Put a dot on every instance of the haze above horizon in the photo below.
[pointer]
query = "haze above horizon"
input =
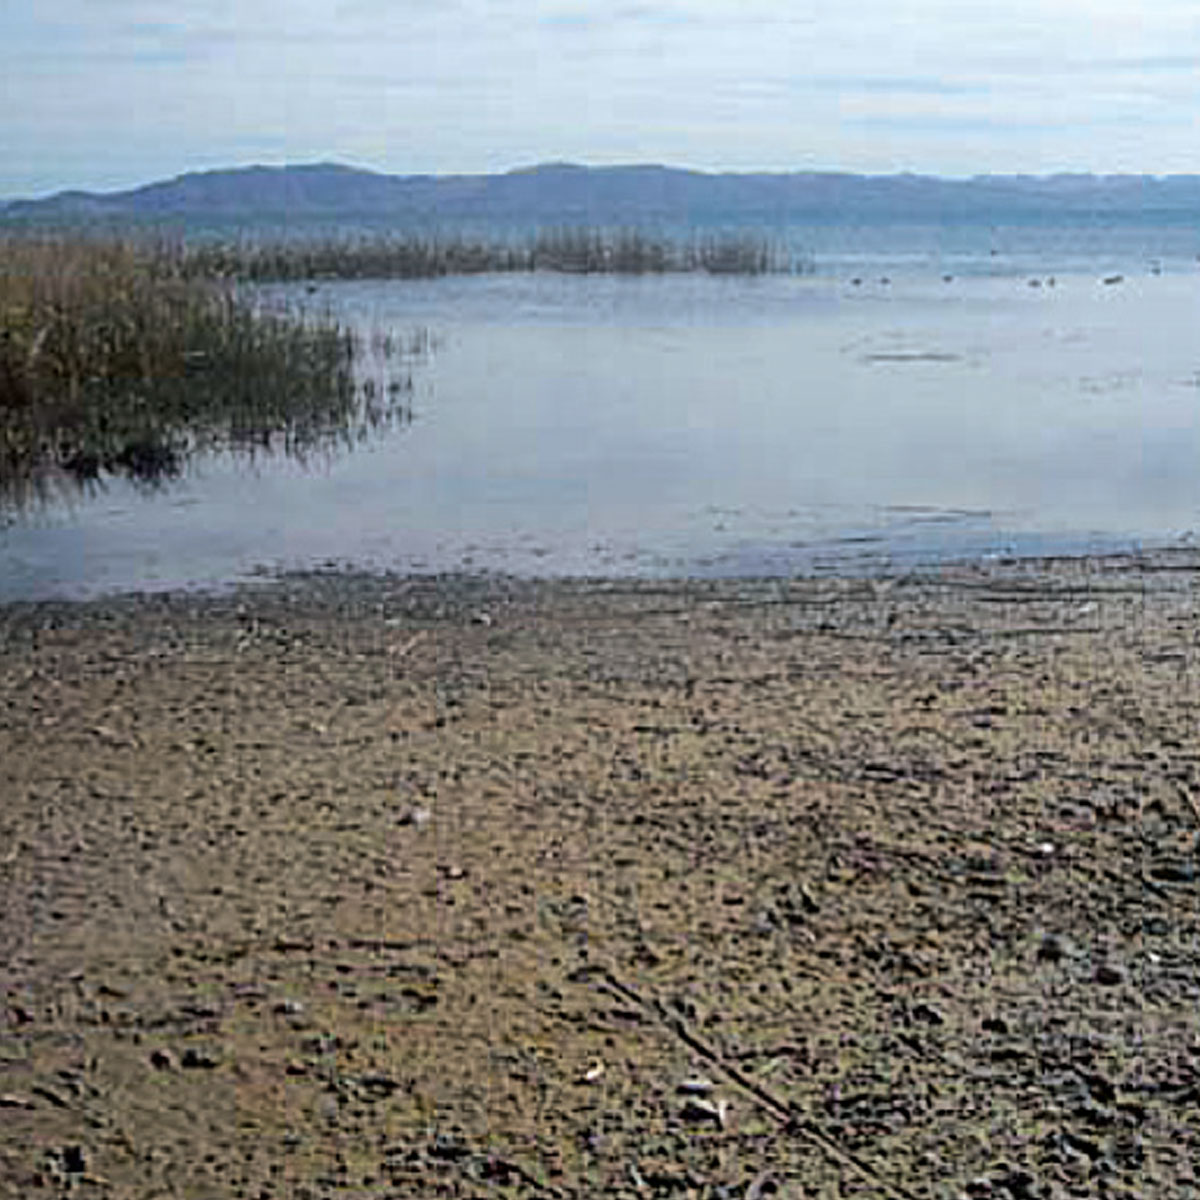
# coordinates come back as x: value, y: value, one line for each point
x: 115, y: 95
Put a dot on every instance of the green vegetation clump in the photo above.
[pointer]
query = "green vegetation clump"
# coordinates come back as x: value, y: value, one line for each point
x: 117, y: 357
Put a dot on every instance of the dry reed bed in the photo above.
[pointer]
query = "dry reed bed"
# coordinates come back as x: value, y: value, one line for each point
x: 117, y: 355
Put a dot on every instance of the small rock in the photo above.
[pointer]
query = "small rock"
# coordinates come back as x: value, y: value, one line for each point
x: 74, y: 1160
x: 706, y: 1110
x: 1020, y: 1185
x: 928, y: 1014
x: 417, y: 817
x: 163, y: 1060
x: 696, y: 1087
x: 447, y: 1147
x: 764, y: 923
x: 1054, y: 948
x: 12, y: 1100
x: 1109, y: 975
x: 199, y: 1058
x: 289, y: 1008
x: 19, y: 1015
x: 593, y: 1073
x: 378, y: 1083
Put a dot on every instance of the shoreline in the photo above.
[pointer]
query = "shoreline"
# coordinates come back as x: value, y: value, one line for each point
x: 407, y: 885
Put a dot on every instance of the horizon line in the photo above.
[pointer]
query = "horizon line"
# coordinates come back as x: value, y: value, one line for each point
x: 568, y: 164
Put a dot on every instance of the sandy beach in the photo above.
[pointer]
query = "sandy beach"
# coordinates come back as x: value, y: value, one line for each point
x: 368, y: 886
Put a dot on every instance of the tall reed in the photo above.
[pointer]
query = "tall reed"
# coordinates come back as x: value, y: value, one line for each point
x: 569, y: 249
x: 116, y: 356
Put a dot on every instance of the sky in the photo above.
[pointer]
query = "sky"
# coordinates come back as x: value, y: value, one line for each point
x: 107, y: 94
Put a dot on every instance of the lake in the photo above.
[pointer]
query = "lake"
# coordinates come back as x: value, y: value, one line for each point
x: 702, y: 425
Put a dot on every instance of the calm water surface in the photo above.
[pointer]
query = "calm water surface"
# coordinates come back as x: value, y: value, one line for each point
x: 697, y: 425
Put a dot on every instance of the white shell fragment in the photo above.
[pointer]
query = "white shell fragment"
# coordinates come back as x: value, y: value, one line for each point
x: 715, y: 1111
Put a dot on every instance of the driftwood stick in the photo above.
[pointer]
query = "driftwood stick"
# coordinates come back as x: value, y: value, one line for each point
x: 793, y: 1122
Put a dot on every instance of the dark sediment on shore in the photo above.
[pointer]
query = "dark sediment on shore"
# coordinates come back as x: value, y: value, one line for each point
x: 366, y: 886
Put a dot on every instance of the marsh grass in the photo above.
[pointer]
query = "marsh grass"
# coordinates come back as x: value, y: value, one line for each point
x: 117, y: 357
x: 124, y: 355
x: 569, y: 249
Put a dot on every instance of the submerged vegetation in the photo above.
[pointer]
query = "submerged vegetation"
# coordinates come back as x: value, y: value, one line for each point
x: 116, y: 357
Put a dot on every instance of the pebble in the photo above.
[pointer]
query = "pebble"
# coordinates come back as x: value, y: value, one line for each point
x: 593, y: 1073
x: 705, y: 1110
x: 163, y: 1060
x: 198, y: 1058
x: 1054, y: 948
x: 928, y: 1014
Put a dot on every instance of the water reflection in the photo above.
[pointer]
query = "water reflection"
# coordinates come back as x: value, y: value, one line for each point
x: 363, y: 389
x: 698, y: 426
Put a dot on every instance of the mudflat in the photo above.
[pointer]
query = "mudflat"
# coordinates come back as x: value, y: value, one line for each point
x: 382, y: 886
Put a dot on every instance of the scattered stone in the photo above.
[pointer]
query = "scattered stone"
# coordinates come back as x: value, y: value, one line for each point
x: 696, y: 1087
x: 200, y: 1058
x: 74, y: 1160
x: 1054, y: 948
x: 446, y: 1146
x: 712, y: 1111
x: 1109, y: 975
x: 378, y: 1084
x: 163, y: 1060
x: 928, y: 1014
x: 1019, y: 1184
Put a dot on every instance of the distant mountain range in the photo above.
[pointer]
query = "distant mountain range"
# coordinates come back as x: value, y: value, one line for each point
x: 563, y: 193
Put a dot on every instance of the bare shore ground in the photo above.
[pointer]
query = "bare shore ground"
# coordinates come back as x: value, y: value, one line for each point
x: 412, y: 887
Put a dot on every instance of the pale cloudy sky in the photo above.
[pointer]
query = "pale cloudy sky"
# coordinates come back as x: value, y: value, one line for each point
x: 111, y: 93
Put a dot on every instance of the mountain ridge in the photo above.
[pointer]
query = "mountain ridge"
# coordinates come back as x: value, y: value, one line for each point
x: 624, y: 194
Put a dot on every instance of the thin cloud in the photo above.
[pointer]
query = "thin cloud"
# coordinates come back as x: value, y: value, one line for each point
x: 116, y: 92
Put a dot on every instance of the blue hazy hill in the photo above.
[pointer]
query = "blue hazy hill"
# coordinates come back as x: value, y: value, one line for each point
x: 621, y: 195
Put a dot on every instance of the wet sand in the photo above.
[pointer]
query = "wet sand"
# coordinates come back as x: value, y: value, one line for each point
x: 383, y: 886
